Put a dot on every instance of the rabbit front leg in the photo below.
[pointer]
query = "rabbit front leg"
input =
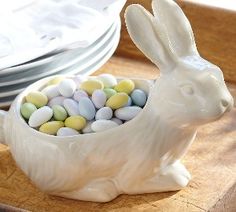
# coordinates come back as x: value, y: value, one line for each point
x: 173, y: 177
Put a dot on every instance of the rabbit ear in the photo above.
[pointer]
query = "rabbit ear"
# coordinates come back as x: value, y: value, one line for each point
x: 178, y: 31
x: 140, y: 26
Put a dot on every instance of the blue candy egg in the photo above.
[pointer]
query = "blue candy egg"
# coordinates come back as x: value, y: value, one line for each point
x: 86, y: 108
x: 139, y: 97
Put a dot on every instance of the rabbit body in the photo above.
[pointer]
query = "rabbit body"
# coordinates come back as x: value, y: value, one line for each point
x: 142, y: 155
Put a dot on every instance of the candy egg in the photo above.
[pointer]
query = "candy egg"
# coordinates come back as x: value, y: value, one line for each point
x: 109, y: 92
x: 118, y: 121
x: 86, y: 108
x: 127, y: 113
x: 139, y: 97
x: 40, y: 116
x: 71, y: 107
x: 56, y: 80
x: 37, y: 98
x: 51, y: 91
x: 27, y: 109
x: 108, y: 80
x: 99, y: 98
x: 126, y: 86
x: 56, y: 101
x: 88, y: 128
x: 67, y: 87
x: 75, y: 122
x: 101, y: 125
x: 117, y: 101
x: 51, y: 127
x: 59, y: 113
x: 66, y: 131
x: 91, y: 85
x: 79, y: 94
x: 104, y: 113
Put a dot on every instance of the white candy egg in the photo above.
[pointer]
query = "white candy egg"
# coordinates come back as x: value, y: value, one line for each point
x: 88, y: 128
x: 105, y: 113
x: 71, y: 107
x: 101, y: 125
x: 127, y: 113
x: 40, y: 116
x: 108, y: 80
x: 51, y: 91
x: 79, y: 94
x: 118, y: 121
x: 67, y: 87
x: 56, y: 101
x: 66, y: 131
x: 99, y: 98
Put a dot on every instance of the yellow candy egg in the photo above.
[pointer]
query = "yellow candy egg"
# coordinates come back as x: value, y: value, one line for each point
x: 91, y: 85
x: 75, y: 122
x: 37, y: 98
x: 55, y: 80
x: 117, y: 101
x: 51, y: 127
x: 126, y: 86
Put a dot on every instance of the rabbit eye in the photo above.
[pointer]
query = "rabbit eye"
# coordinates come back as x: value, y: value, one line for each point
x: 187, y: 89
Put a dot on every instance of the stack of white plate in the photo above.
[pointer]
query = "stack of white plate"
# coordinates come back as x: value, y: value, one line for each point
x: 79, y: 60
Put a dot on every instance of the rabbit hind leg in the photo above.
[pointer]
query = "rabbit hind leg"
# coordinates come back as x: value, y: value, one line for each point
x: 100, y: 190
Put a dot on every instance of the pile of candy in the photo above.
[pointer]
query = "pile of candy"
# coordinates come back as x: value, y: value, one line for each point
x: 68, y: 107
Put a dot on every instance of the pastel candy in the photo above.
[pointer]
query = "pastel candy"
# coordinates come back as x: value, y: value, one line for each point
x: 79, y: 94
x: 99, y: 98
x: 129, y: 103
x: 51, y: 91
x: 101, y: 125
x: 37, y: 98
x: 109, y: 92
x: 75, y: 122
x: 108, y: 80
x: 126, y: 86
x: 86, y: 108
x: 51, y: 127
x: 27, y: 109
x: 56, y: 101
x: 118, y: 121
x: 88, y: 128
x: 139, y: 97
x: 79, y: 79
x: 67, y: 87
x: 117, y: 101
x: 91, y: 85
x: 40, y: 116
x: 105, y: 113
x: 66, y: 131
x: 59, y: 113
x: 56, y: 80
x: 71, y: 107
x: 127, y: 113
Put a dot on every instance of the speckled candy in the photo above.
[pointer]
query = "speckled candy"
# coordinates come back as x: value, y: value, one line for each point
x: 99, y: 98
x: 37, y: 98
x: 101, y: 125
x: 117, y: 101
x: 51, y: 127
x: 67, y: 87
x: 51, y: 91
x: 75, y: 122
x: 40, y: 116
x: 79, y: 94
x: 127, y: 113
x: 104, y: 113
x: 126, y: 86
x: 59, y: 113
x: 86, y: 108
x: 108, y: 80
x: 91, y: 85
x: 71, y: 107
x: 56, y: 101
x: 27, y: 109
x: 66, y: 131
x: 139, y: 97
x: 109, y: 92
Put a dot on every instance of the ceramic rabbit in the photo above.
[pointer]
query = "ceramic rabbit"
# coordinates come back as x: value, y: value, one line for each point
x: 143, y: 155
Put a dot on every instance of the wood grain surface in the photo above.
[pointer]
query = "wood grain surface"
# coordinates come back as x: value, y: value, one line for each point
x: 215, y: 33
x: 211, y: 161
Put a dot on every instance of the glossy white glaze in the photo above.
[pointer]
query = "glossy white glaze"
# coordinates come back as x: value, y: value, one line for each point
x: 143, y: 155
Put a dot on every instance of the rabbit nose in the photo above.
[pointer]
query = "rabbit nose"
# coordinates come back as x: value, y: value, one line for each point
x: 224, y: 103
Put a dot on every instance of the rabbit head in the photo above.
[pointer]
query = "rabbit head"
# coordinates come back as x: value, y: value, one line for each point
x: 190, y: 88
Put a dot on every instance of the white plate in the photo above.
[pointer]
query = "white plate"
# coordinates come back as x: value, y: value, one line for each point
x: 53, y: 57
x: 26, y: 76
x: 100, y: 60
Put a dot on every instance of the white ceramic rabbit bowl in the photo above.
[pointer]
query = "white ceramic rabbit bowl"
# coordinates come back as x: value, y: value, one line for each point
x: 143, y: 155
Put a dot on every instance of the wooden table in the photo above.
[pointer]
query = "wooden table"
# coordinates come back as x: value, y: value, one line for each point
x: 211, y: 159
